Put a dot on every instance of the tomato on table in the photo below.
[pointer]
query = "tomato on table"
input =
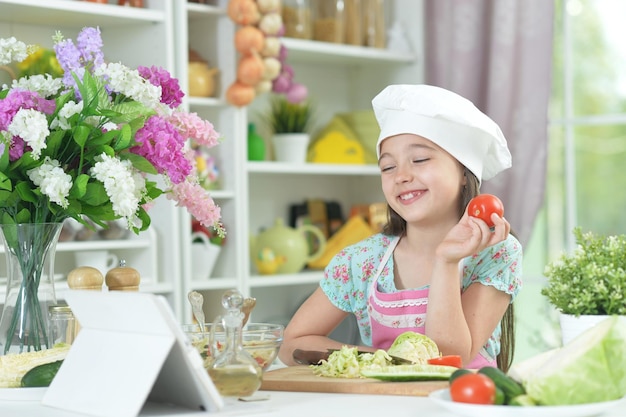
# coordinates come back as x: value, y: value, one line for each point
x: 473, y: 389
x: 447, y: 360
x: 483, y: 206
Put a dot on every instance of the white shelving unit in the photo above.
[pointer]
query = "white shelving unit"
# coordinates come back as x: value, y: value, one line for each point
x: 135, y: 37
x: 340, y: 78
x: 252, y: 195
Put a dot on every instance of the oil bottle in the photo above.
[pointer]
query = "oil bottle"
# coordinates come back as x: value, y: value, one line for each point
x: 234, y: 372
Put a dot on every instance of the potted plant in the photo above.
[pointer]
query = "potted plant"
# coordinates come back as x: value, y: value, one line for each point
x: 588, y: 284
x: 290, y: 124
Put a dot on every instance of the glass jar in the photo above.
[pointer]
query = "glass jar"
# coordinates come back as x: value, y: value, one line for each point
x: 63, y: 325
x: 297, y: 19
x: 328, y: 19
x: 131, y: 3
x: 374, y: 26
x: 352, y: 22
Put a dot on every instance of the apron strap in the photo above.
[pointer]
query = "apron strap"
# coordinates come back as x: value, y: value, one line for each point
x: 386, y: 257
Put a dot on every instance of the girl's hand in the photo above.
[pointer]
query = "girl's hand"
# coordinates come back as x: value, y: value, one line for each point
x: 470, y: 236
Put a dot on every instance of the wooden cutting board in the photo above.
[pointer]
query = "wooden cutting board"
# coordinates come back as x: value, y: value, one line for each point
x: 302, y: 379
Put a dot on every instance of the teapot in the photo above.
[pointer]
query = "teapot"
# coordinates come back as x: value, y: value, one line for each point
x: 288, y: 244
x: 201, y: 79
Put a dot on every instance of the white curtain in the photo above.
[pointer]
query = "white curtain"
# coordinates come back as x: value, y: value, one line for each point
x: 498, y: 54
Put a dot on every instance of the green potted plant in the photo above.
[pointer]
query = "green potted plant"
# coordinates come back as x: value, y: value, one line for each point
x: 588, y: 284
x: 290, y: 123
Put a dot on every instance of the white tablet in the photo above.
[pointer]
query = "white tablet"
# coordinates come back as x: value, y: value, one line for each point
x: 130, y: 349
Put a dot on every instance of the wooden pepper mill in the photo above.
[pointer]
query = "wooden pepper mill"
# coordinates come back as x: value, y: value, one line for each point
x: 81, y: 278
x: 123, y: 278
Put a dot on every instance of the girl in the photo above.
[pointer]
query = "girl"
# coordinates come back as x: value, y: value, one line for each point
x: 434, y: 149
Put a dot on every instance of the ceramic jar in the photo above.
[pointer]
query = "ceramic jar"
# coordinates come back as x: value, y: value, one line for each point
x: 201, y: 79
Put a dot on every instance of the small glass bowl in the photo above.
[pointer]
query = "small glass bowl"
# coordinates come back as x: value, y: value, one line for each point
x: 260, y: 340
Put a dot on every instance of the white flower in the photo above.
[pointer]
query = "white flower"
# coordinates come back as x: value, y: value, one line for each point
x: 52, y: 181
x: 68, y: 110
x: 128, y: 82
x: 46, y: 85
x: 12, y: 50
x: 122, y: 185
x: 32, y: 126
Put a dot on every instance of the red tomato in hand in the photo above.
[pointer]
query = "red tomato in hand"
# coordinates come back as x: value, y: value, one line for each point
x: 473, y: 389
x: 447, y: 360
x: 483, y: 205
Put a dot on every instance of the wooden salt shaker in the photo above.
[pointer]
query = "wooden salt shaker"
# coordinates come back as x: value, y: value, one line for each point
x: 123, y: 278
x: 85, y: 278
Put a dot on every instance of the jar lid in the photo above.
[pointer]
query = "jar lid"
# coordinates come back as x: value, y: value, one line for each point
x: 63, y: 308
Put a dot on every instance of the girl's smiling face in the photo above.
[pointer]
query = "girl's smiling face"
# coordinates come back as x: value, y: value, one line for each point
x: 420, y: 180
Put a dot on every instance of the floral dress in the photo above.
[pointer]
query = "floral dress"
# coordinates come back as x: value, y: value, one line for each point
x: 349, y: 275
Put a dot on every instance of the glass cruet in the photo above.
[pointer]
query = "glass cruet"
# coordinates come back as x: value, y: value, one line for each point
x: 234, y: 372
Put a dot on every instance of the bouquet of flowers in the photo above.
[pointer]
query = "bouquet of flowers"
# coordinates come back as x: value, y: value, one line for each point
x: 100, y: 143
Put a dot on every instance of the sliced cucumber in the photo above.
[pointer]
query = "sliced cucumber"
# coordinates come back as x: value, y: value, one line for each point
x: 400, y: 373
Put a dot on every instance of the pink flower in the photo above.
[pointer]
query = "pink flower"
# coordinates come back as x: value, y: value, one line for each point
x: 198, y: 203
x: 170, y: 90
x: 191, y: 126
x: 161, y: 144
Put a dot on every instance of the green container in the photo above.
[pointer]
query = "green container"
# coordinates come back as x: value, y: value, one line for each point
x: 256, y: 144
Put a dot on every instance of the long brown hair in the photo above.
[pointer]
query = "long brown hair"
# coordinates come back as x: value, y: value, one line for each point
x: 396, y: 226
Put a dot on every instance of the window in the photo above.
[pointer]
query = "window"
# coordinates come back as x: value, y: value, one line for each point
x: 586, y: 182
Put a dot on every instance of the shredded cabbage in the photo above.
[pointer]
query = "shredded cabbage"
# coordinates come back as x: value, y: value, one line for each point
x: 13, y: 366
x: 347, y: 362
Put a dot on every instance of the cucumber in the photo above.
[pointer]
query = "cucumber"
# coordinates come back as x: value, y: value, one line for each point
x: 41, y: 375
x: 400, y: 373
x: 458, y: 373
x: 523, y: 400
x: 508, y: 385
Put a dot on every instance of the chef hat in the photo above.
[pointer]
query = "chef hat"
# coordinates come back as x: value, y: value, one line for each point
x: 448, y: 120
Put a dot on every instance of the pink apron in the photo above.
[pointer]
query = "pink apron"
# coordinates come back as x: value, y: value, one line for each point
x: 392, y: 314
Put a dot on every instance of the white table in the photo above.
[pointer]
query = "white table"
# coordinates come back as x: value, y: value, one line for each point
x: 285, y: 404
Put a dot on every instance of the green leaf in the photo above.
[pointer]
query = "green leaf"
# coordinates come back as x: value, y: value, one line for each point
x: 95, y: 194
x: 26, y: 193
x: 145, y: 220
x: 5, y: 182
x: 140, y: 162
x: 23, y: 216
x: 80, y: 134
x: 124, y: 139
x: 54, y: 143
x: 79, y: 187
x: 4, y: 159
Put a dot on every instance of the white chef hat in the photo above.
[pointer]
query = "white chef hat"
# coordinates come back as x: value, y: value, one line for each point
x: 448, y: 120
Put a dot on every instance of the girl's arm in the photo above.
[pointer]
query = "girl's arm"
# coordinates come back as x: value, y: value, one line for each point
x: 462, y: 324
x: 309, y: 328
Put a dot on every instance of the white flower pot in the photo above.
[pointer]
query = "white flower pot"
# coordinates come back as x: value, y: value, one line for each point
x: 572, y: 326
x: 291, y: 147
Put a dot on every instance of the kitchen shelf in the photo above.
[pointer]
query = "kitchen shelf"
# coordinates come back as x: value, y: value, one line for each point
x: 306, y: 277
x: 338, y: 54
x: 64, y: 13
x: 270, y: 167
x: 206, y: 102
x: 201, y: 11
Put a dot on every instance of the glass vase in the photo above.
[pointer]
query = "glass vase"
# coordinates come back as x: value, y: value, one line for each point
x: 29, y: 249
